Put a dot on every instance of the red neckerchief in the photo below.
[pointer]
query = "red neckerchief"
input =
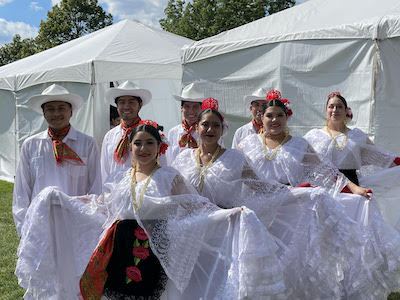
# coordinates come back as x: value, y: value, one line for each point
x: 61, y: 150
x: 187, y: 139
x: 123, y: 145
x: 257, y: 127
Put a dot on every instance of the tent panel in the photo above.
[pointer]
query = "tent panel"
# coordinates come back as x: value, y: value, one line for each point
x: 387, y: 125
x: 7, y: 136
x: 305, y: 71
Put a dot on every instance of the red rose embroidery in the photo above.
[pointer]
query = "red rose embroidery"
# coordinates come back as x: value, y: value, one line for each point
x: 133, y: 273
x: 141, y: 252
x: 140, y: 234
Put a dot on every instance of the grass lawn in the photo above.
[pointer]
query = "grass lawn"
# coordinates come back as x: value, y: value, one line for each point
x: 9, y: 288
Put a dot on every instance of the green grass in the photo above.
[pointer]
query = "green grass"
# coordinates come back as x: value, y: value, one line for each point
x: 9, y: 288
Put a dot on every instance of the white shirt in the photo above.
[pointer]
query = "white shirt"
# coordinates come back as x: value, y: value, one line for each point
x: 110, y: 142
x: 38, y: 169
x: 241, y: 133
x: 174, y: 135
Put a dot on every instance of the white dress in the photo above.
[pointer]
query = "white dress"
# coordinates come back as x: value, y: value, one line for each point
x: 301, y: 221
x: 371, y: 162
x: 203, y: 250
x: 376, y: 271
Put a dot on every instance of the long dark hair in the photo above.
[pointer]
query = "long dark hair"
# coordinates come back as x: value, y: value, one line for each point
x: 338, y: 96
x: 210, y: 110
x: 274, y: 102
x: 149, y: 129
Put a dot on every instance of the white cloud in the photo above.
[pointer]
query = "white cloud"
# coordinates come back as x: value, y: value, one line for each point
x: 9, y: 29
x: 54, y: 2
x: 3, y: 2
x: 147, y: 12
x: 34, y: 5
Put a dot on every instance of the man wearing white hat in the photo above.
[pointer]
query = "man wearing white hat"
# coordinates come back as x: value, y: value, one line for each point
x: 255, y: 102
x: 59, y: 156
x: 115, y: 152
x: 184, y: 135
x: 68, y: 160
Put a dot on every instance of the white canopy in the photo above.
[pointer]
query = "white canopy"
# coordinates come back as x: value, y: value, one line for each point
x: 307, y: 52
x: 86, y: 66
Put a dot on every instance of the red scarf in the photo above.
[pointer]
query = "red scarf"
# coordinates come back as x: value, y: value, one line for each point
x: 95, y: 276
x: 257, y: 127
x: 61, y: 150
x: 123, y: 144
x: 187, y: 138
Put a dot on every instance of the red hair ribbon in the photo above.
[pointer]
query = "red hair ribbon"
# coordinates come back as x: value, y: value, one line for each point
x: 274, y: 95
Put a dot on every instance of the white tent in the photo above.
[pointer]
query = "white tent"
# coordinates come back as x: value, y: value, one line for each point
x: 307, y: 52
x: 86, y: 66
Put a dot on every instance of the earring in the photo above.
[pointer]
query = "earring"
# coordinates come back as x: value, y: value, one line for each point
x: 327, y: 123
x: 345, y: 121
x: 287, y: 131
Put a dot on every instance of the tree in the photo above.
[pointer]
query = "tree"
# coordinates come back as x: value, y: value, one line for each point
x: 17, y: 49
x: 69, y: 20
x: 204, y: 18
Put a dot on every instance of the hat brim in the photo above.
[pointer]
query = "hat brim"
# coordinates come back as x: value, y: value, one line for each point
x: 36, y: 102
x: 113, y: 93
x: 179, y: 98
x: 251, y: 98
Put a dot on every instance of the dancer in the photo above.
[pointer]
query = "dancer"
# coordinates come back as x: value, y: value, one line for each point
x: 311, y: 231
x: 276, y: 155
x: 164, y: 240
x: 350, y: 150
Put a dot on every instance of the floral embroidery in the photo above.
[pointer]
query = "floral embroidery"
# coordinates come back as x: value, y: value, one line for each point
x: 133, y: 273
x: 140, y: 234
x: 140, y: 252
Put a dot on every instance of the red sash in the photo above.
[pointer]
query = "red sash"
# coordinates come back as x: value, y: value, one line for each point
x: 120, y: 152
x: 95, y: 276
x: 61, y: 150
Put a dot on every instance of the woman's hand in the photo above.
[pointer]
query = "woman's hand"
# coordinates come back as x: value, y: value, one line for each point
x: 359, y: 190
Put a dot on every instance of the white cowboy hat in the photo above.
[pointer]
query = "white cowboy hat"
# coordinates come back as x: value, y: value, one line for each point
x: 128, y: 88
x: 259, y: 94
x: 190, y: 94
x: 54, y: 92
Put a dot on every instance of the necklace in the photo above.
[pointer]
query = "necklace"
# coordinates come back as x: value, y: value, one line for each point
x: 137, y: 205
x: 202, y: 174
x: 341, y: 147
x: 275, y: 151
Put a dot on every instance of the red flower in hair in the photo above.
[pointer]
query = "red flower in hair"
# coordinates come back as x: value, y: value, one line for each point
x: 287, y: 105
x: 164, y: 146
x: 133, y: 273
x: 148, y: 122
x: 274, y: 95
x: 333, y: 94
x: 349, y: 113
x: 209, y: 103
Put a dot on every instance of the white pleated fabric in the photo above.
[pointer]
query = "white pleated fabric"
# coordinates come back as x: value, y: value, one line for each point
x: 372, y: 271
x: 371, y: 162
x: 314, y: 237
x: 206, y: 252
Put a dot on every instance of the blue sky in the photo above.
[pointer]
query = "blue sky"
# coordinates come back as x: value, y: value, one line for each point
x: 23, y: 16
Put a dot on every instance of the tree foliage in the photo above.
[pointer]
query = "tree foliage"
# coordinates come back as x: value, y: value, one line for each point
x: 67, y: 21
x: 17, y: 49
x: 203, y: 18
